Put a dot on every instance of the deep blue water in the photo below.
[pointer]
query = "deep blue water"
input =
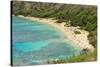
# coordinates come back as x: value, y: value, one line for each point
x: 34, y: 43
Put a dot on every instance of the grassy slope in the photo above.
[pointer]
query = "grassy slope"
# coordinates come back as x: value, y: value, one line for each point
x: 81, y: 58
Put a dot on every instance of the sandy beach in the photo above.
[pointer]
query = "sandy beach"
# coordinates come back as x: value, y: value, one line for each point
x: 79, y: 40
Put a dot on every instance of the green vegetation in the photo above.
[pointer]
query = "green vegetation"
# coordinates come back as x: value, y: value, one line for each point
x: 90, y: 56
x: 77, y: 32
x: 59, y: 21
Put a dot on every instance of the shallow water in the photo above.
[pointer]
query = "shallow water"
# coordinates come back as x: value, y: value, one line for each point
x: 34, y: 42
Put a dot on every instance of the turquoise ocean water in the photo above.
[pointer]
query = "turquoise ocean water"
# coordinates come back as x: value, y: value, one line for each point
x: 35, y: 43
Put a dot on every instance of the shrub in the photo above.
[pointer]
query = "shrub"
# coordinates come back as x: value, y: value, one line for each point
x: 77, y: 32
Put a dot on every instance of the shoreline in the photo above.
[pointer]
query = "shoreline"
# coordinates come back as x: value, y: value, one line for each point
x: 79, y: 40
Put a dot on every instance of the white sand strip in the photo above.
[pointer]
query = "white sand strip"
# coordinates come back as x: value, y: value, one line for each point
x: 79, y: 40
